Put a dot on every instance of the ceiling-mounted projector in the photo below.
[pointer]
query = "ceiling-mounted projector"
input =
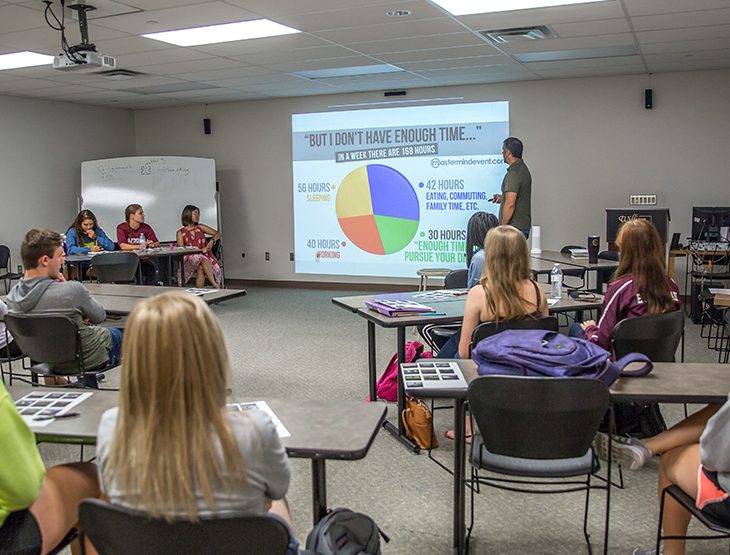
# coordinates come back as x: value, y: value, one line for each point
x: 84, y: 62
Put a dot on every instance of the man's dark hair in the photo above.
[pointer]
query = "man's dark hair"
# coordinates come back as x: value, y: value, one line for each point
x: 514, y: 145
x: 131, y: 209
x: 476, y: 231
x: 187, y: 214
x: 37, y: 243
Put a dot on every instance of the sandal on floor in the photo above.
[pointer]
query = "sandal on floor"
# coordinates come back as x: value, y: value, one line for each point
x: 449, y: 434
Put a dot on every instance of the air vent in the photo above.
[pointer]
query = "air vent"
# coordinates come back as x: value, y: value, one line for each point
x: 518, y: 34
x: 120, y: 74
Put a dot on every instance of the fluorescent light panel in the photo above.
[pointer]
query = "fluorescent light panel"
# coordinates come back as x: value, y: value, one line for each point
x: 17, y: 60
x: 347, y: 71
x: 468, y: 7
x: 226, y: 32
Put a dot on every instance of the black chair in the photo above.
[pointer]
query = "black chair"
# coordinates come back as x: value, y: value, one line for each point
x: 7, y: 358
x: 538, y: 433
x: 486, y: 329
x: 679, y: 495
x: 116, y: 530
x: 6, y: 268
x: 603, y: 275
x: 573, y: 272
x: 217, y: 251
x: 456, y: 279
x: 655, y: 335
x: 436, y: 336
x: 52, y: 340
x: 115, y: 267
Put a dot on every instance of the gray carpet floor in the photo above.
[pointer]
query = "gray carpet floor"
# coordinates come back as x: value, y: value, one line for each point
x: 295, y: 344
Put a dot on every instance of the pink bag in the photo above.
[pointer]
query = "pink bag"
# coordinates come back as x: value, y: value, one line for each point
x: 387, y: 386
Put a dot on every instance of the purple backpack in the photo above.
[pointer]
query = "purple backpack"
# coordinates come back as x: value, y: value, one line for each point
x: 551, y: 354
x: 387, y: 386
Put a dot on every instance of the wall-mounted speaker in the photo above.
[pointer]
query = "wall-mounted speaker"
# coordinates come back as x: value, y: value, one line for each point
x: 648, y: 99
x: 206, y: 126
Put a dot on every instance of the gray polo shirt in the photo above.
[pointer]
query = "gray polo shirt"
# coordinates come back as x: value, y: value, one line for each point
x: 518, y: 180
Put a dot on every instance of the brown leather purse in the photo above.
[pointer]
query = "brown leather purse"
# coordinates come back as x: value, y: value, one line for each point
x: 418, y: 424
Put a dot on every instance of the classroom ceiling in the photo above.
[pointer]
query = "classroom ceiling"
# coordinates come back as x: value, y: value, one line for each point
x: 431, y: 47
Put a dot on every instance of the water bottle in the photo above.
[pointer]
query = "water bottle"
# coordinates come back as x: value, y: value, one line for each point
x: 142, y: 240
x: 556, y: 282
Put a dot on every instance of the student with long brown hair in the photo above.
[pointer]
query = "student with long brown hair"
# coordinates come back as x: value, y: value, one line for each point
x: 640, y: 285
x: 506, y: 290
x: 172, y: 448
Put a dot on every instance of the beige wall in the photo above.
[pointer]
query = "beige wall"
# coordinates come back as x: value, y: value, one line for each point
x: 42, y: 145
x: 589, y: 144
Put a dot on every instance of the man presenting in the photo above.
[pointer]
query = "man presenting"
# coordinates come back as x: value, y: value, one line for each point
x: 516, y: 189
x: 43, y: 288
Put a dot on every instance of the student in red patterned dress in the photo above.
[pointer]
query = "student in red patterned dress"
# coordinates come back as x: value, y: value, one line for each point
x: 193, y: 234
x: 640, y: 285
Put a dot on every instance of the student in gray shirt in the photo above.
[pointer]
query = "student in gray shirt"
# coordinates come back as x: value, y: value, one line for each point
x: 172, y: 448
x: 44, y: 289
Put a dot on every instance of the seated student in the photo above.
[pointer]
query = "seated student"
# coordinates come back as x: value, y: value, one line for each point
x: 86, y: 236
x: 505, y: 292
x: 700, y: 465
x: 476, y: 231
x: 129, y: 236
x: 8, y: 346
x: 38, y: 507
x: 193, y: 234
x: 43, y: 288
x: 639, y: 286
x: 206, y: 459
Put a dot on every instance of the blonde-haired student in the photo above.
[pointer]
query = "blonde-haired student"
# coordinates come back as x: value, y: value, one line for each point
x: 171, y: 448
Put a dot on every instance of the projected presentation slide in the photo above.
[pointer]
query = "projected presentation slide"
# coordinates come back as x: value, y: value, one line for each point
x: 385, y: 192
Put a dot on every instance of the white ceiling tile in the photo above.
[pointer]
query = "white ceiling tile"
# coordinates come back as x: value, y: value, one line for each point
x: 691, y: 33
x: 137, y: 82
x: 587, y: 63
x: 591, y: 28
x: 438, y: 54
x: 649, y: 7
x: 17, y: 18
x: 281, y: 43
x: 472, y: 61
x: 191, y: 66
x: 26, y: 84
x: 684, y: 47
x: 281, y: 7
x: 348, y: 35
x: 129, y: 44
x: 679, y: 21
x: 218, y: 74
x: 421, y: 42
x: 281, y: 56
x: 349, y: 61
x: 550, y: 45
x: 169, y: 55
x: 199, y: 15
x: 596, y: 71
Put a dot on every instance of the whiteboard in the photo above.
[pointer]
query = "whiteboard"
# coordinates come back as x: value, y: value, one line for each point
x: 163, y: 185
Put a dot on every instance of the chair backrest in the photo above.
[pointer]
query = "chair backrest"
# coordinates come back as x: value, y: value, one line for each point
x: 609, y: 255
x: 538, y: 418
x: 116, y: 530
x: 655, y: 335
x: 115, y: 267
x: 566, y: 248
x: 456, y: 279
x: 4, y: 257
x: 48, y: 337
x: 486, y: 329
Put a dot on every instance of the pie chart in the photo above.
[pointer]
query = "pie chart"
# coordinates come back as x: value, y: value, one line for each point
x: 377, y: 209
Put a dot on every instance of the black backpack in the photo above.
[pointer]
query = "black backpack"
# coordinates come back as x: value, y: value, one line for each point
x: 639, y: 420
x: 345, y: 532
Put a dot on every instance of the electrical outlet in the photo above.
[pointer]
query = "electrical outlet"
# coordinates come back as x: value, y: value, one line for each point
x: 268, y: 255
x: 20, y: 268
x: 291, y: 257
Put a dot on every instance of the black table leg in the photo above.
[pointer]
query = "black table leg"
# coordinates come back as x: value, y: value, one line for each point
x: 397, y: 430
x: 459, y: 494
x: 319, y: 490
x: 372, y: 369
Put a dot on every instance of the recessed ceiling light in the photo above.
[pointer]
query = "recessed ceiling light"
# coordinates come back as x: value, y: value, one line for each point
x: 347, y: 71
x: 226, y: 32
x: 17, y: 60
x: 467, y: 7
x: 398, y: 13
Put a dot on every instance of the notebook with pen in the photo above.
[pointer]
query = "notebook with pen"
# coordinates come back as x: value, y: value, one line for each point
x: 397, y: 307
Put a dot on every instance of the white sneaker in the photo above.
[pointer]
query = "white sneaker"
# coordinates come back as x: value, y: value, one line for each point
x: 629, y: 452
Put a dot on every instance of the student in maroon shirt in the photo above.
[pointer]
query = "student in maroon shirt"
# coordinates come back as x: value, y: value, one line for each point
x: 129, y: 237
x: 640, y: 285
x: 131, y: 230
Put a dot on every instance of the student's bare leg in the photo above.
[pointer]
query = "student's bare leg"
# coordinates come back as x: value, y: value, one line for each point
x: 208, y: 269
x: 57, y: 506
x: 686, y: 432
x: 199, y: 276
x: 280, y: 507
x: 678, y: 466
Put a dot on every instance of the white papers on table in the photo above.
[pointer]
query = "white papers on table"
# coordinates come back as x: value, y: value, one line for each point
x: 716, y: 291
x: 551, y: 301
x: 197, y: 291
x: 262, y: 406
x: 48, y: 403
